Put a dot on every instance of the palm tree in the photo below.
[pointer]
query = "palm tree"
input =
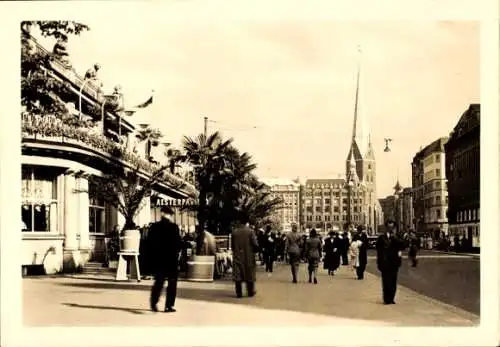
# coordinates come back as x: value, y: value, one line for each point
x: 206, y: 156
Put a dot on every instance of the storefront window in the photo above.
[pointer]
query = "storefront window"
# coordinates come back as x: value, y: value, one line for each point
x: 96, y: 215
x: 39, y: 199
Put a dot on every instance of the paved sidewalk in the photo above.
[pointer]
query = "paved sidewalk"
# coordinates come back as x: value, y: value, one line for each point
x: 338, y: 300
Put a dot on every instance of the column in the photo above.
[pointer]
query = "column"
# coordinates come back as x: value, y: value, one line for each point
x: 83, y: 207
x: 70, y: 214
x: 71, y: 258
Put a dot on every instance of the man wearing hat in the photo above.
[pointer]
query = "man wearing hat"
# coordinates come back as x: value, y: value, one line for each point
x: 166, y: 243
x: 389, y: 252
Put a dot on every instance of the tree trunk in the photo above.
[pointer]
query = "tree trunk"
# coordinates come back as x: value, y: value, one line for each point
x: 200, y: 233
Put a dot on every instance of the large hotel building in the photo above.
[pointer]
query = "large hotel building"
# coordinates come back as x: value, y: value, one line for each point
x: 63, y: 226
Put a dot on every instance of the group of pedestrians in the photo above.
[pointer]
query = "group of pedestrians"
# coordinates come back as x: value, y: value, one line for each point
x: 167, y: 244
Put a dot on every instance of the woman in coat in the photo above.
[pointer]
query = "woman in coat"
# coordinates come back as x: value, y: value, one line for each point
x: 313, y: 248
x: 329, y: 249
x: 354, y: 251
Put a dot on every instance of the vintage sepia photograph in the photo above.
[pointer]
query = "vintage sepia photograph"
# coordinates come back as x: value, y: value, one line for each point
x: 229, y: 172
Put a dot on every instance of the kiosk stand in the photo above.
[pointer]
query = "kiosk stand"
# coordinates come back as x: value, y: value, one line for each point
x: 124, y: 259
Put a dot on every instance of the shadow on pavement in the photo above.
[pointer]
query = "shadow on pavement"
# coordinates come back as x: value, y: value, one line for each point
x: 280, y: 295
x: 99, y: 307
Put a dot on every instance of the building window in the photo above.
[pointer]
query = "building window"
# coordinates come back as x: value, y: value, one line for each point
x: 39, y: 200
x: 327, y: 201
x: 327, y: 218
x: 309, y: 209
x: 318, y: 208
x: 438, y: 156
x: 318, y: 201
x: 96, y: 216
x: 318, y: 218
x: 438, y: 214
x: 438, y: 200
x: 438, y: 173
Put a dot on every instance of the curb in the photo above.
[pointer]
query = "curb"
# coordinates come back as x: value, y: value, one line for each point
x: 472, y: 255
x: 475, y: 319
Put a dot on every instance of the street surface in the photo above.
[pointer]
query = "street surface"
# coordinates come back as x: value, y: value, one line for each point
x: 450, y: 278
x: 340, y: 300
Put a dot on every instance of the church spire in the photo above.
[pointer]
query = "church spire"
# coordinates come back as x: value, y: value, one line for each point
x: 359, y: 142
x: 356, y: 100
x: 352, y: 175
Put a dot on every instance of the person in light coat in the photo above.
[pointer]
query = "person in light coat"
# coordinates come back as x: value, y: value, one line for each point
x: 354, y: 251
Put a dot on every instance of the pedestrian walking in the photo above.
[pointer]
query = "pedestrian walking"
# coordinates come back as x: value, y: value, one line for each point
x: 244, y: 246
x: 329, y: 252
x: 363, y: 254
x: 412, y: 249
x: 166, y: 243
x: 293, y: 250
x: 389, y: 252
x: 337, y: 246
x: 344, y: 249
x: 313, y: 247
x: 269, y: 250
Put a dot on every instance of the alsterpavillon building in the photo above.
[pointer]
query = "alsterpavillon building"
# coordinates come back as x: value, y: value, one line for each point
x: 62, y: 226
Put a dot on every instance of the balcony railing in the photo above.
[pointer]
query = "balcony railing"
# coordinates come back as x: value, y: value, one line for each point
x: 53, y: 128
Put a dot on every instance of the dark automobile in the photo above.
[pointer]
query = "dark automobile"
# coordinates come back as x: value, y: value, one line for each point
x: 372, y: 241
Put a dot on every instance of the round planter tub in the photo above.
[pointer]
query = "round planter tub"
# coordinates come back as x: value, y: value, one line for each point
x: 130, y: 241
x: 201, y: 268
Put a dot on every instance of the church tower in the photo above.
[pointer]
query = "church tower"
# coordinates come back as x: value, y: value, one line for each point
x: 361, y: 152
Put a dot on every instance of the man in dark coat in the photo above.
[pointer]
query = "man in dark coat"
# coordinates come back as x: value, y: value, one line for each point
x: 389, y: 251
x: 363, y: 253
x: 166, y: 244
x: 244, y: 246
x: 344, y: 249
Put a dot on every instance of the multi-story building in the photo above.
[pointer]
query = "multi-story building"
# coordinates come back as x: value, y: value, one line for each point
x: 398, y: 207
x: 288, y: 214
x: 388, y: 205
x: 430, y: 189
x: 63, y: 224
x: 406, y: 207
x: 462, y: 172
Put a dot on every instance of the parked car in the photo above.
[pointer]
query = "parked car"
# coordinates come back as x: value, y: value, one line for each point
x: 372, y: 241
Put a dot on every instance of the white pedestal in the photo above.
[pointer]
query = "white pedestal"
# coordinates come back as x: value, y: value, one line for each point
x: 124, y: 258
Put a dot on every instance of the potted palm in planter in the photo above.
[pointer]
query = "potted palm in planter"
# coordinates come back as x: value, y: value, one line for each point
x: 126, y: 190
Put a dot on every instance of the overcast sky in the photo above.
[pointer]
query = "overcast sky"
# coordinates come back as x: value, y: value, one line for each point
x: 285, y: 89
